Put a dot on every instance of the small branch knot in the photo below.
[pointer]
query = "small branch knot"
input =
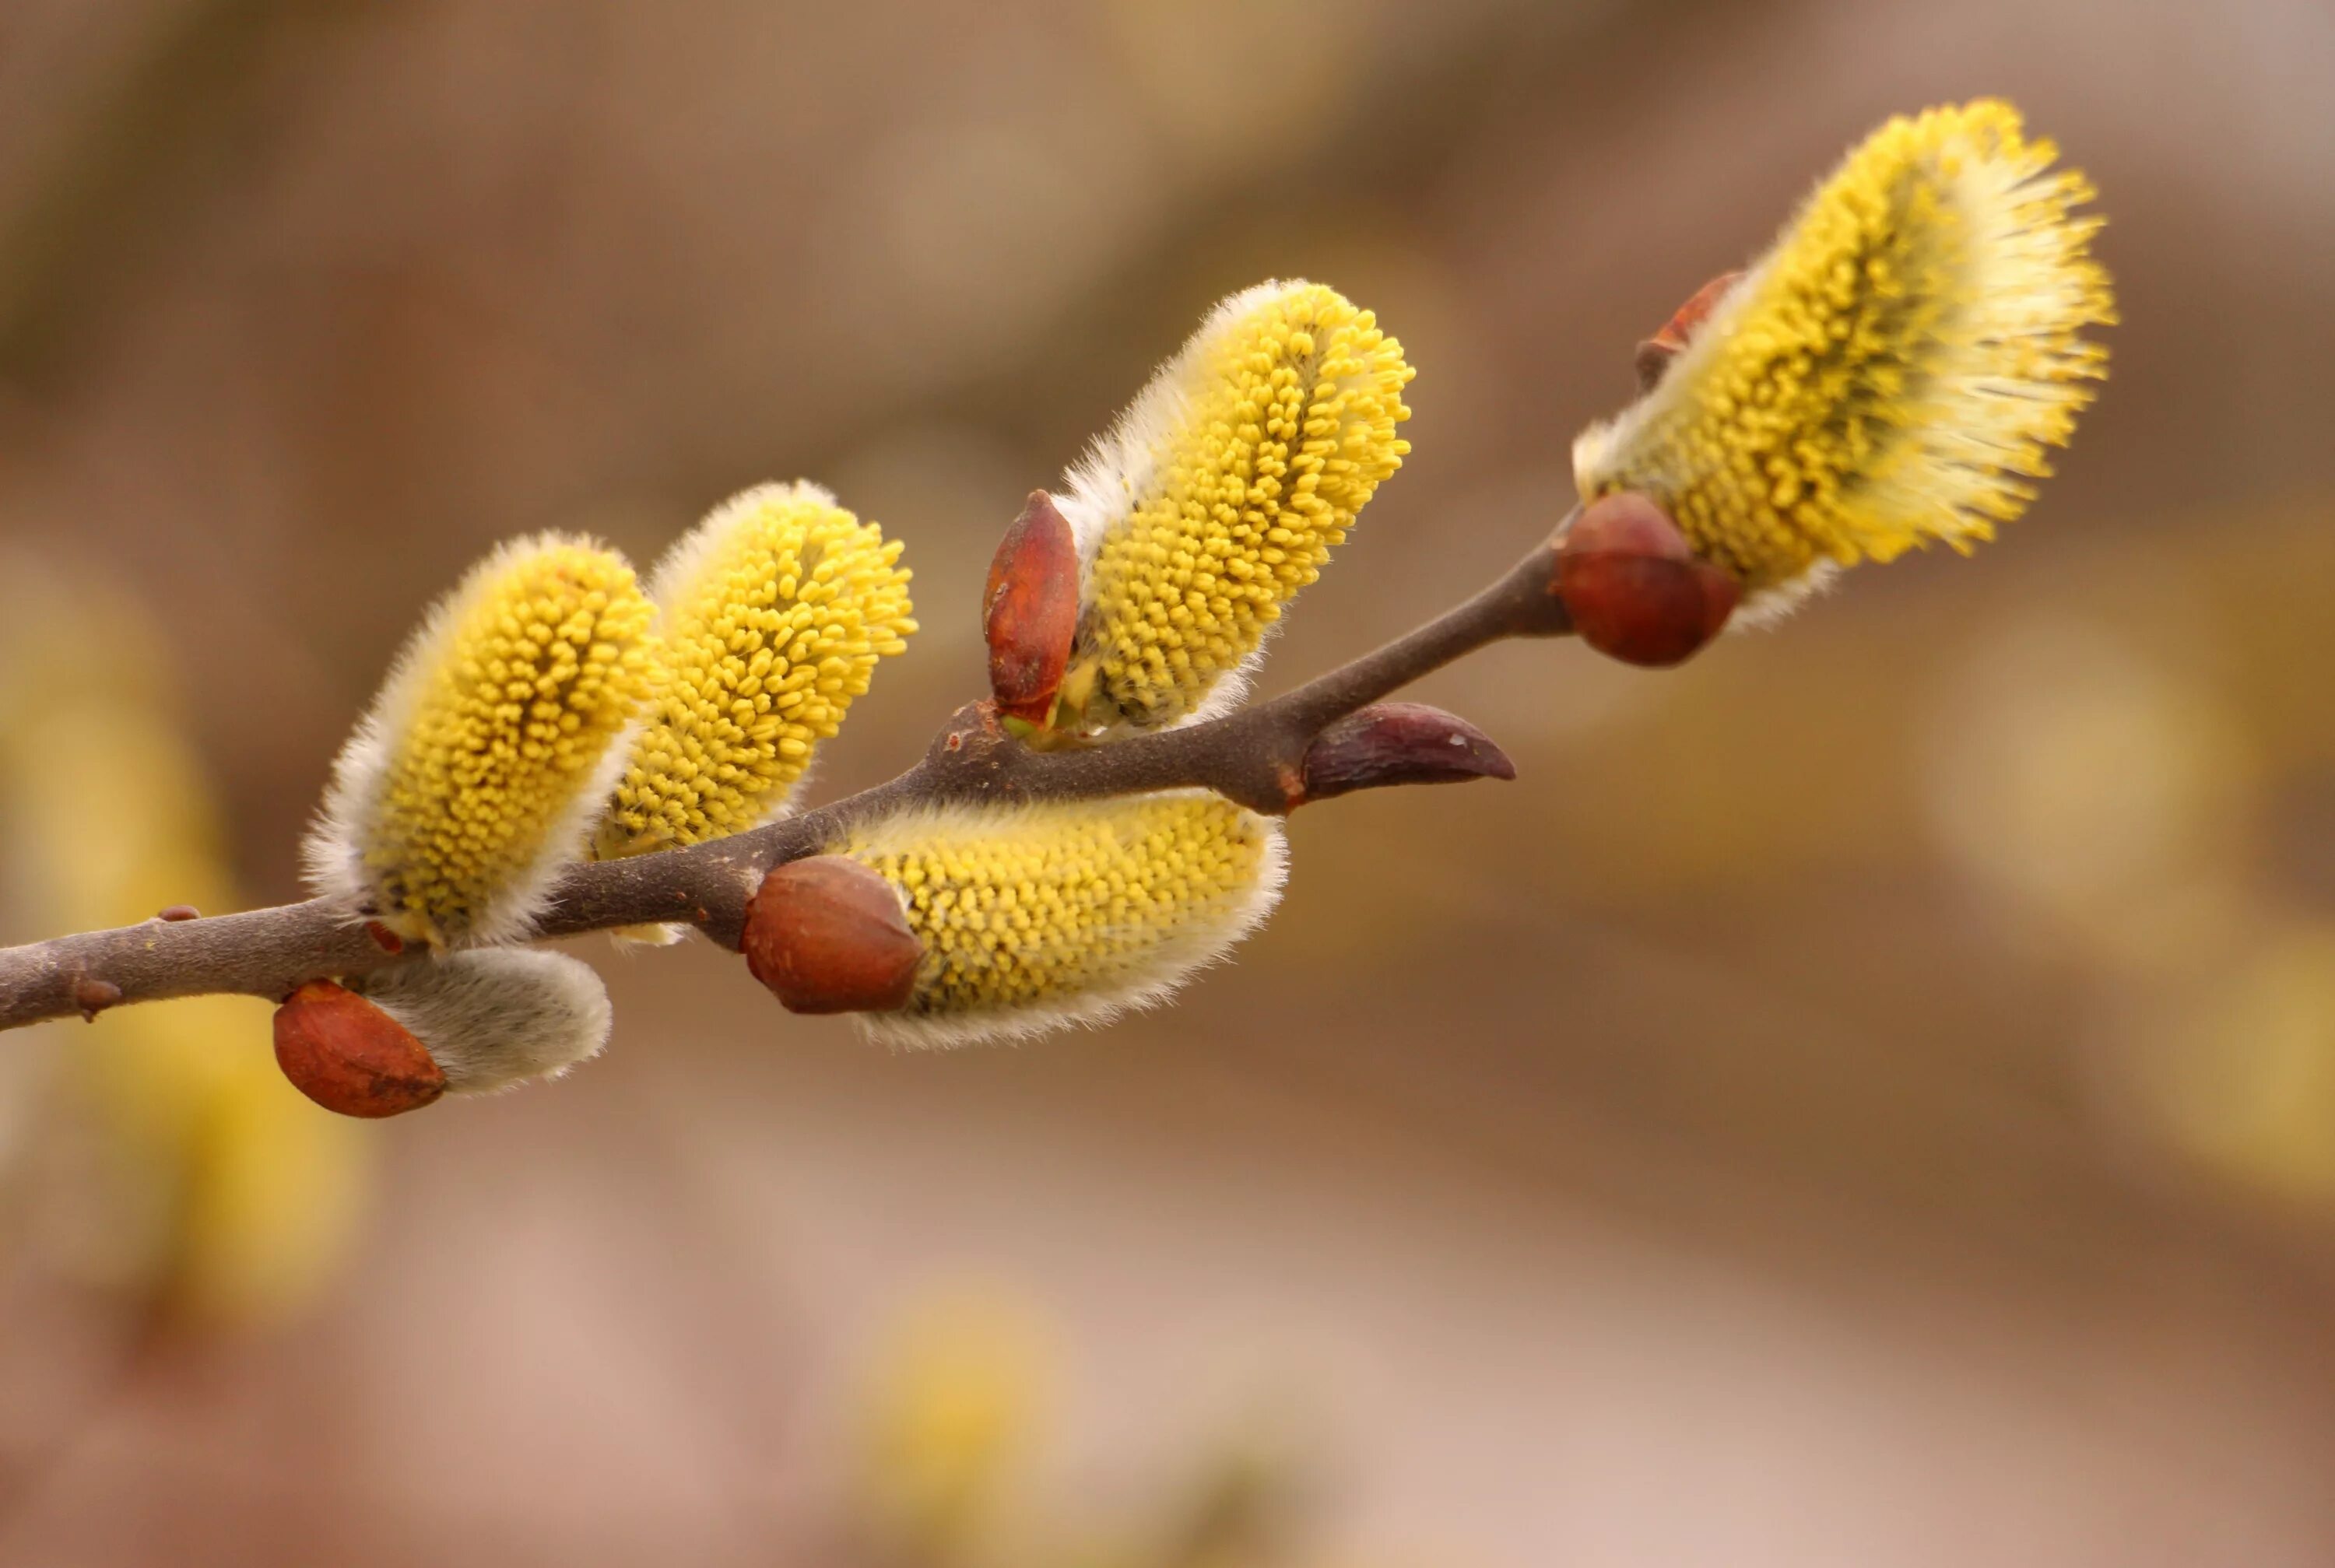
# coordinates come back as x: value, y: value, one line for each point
x: 93, y: 996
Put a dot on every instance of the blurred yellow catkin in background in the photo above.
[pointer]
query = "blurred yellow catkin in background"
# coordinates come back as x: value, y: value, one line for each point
x: 229, y: 1198
x: 949, y: 1417
x: 963, y: 1401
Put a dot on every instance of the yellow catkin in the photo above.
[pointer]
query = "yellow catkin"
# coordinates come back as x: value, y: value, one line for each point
x: 775, y: 612
x: 477, y: 774
x: 1036, y: 915
x: 1892, y: 372
x: 222, y: 1196
x: 1219, y: 495
x: 959, y: 1389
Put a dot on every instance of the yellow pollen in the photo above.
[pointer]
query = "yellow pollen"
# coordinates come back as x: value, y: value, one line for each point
x: 1222, y: 492
x: 1037, y: 914
x: 777, y: 609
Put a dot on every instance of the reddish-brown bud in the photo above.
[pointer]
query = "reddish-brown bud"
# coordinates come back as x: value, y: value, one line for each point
x: 827, y: 935
x: 94, y: 996
x: 1398, y: 743
x: 349, y: 1056
x: 1635, y: 589
x: 1030, y: 610
x: 1654, y: 354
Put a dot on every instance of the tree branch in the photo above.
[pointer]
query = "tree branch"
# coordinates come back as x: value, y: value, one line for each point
x: 1254, y: 756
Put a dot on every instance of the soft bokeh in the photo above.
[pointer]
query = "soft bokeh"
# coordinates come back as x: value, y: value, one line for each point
x: 1866, y: 1097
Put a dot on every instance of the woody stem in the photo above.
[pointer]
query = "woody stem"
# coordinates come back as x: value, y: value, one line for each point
x: 1253, y: 756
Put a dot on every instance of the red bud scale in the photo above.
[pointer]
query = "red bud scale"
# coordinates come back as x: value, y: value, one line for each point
x: 827, y: 935
x: 1636, y: 590
x: 1029, y: 612
x: 349, y: 1056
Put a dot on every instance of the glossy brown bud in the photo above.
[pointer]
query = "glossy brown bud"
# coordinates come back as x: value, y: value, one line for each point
x: 1635, y: 589
x: 1030, y: 610
x: 1654, y: 354
x: 1398, y: 743
x: 349, y: 1056
x: 827, y: 935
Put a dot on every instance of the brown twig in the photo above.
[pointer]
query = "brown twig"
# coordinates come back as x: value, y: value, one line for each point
x: 1254, y: 756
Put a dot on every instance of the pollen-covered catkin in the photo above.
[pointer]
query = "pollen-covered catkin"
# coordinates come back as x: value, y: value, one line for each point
x: 1037, y: 916
x: 496, y: 1017
x: 1218, y: 495
x: 1890, y: 373
x: 774, y: 612
x: 478, y: 772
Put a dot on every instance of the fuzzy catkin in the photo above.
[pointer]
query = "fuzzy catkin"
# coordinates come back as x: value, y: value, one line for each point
x: 774, y: 612
x: 1891, y: 372
x: 496, y: 1017
x: 1037, y: 916
x: 1220, y: 494
x: 476, y: 774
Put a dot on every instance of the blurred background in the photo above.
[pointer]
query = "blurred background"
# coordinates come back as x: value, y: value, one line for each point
x: 1866, y: 1097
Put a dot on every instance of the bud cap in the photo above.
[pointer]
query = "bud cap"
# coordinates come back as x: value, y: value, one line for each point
x: 1633, y: 586
x: 349, y: 1056
x: 827, y: 935
x: 1031, y: 611
x: 1655, y: 353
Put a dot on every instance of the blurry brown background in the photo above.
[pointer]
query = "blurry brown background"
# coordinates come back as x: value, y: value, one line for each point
x: 1867, y: 1097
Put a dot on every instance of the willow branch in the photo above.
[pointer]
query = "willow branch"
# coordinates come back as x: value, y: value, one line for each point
x: 1254, y: 756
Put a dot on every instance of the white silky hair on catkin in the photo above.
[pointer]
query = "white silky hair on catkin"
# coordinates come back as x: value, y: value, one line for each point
x: 1595, y: 446
x: 684, y: 560
x: 1120, y: 466
x: 332, y: 854
x: 1772, y: 606
x: 495, y: 1016
x: 655, y: 934
x: 1173, y: 964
